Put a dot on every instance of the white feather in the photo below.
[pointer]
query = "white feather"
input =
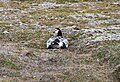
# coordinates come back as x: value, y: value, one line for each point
x: 60, y: 38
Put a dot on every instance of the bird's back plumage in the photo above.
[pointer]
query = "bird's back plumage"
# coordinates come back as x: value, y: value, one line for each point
x: 57, y: 42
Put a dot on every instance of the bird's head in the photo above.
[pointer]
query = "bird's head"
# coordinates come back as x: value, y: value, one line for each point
x: 57, y: 32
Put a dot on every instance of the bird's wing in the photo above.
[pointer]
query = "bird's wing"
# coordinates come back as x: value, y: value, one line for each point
x: 49, y: 42
x: 65, y: 41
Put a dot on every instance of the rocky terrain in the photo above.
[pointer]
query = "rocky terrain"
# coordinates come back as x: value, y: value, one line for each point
x: 93, y: 31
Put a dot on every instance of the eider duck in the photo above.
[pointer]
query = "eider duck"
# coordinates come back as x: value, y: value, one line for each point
x: 57, y: 41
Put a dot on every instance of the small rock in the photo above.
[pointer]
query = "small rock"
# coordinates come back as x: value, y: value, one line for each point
x: 27, y: 53
x: 6, y: 32
x: 76, y: 28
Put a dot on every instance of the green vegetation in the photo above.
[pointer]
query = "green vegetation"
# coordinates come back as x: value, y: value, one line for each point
x: 108, y: 53
x: 8, y: 63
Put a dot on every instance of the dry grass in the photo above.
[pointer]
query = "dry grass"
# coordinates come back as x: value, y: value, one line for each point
x: 23, y: 53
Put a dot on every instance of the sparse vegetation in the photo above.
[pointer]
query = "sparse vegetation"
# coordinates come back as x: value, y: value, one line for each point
x: 91, y: 26
x: 108, y: 53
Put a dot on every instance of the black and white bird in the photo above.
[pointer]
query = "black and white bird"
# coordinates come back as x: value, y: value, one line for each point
x: 57, y: 41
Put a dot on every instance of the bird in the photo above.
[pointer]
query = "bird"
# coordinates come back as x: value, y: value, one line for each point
x: 57, y: 41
